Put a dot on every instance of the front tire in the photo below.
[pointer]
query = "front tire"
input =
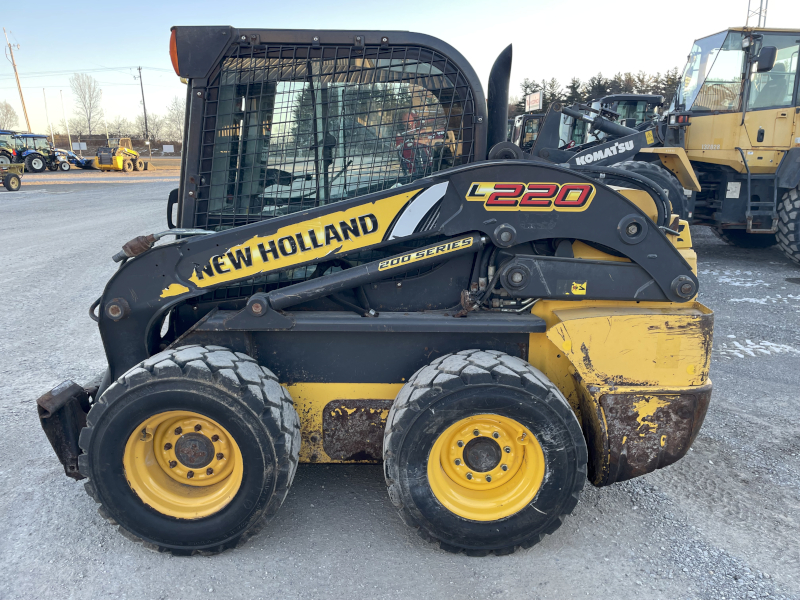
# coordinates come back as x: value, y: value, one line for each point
x: 659, y: 175
x: 482, y: 453
x: 127, y: 166
x: 64, y: 166
x: 191, y: 450
x: 138, y: 165
x: 789, y: 224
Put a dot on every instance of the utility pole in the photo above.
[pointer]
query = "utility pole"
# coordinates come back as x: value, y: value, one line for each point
x: 49, y: 123
x: 66, y: 124
x: 146, y: 130
x: 19, y: 87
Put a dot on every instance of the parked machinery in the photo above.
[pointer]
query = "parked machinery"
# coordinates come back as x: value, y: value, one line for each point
x: 494, y: 331
x: 118, y: 155
x: 730, y: 143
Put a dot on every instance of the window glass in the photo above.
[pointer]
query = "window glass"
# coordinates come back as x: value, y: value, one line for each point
x: 700, y: 60
x: 721, y: 90
x: 776, y: 88
x: 290, y: 128
x: 530, y: 133
x: 41, y: 144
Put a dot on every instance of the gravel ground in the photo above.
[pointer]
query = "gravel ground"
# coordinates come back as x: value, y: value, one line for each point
x: 721, y: 523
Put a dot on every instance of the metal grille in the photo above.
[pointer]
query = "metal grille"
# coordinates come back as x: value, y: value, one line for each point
x: 287, y: 128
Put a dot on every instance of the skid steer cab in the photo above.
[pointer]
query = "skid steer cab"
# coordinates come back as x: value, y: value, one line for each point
x: 118, y: 155
x: 495, y: 332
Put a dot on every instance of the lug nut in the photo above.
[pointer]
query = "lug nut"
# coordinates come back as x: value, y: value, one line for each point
x: 460, y: 444
x: 458, y: 461
x: 220, y: 456
x: 215, y: 438
x: 469, y: 475
x: 209, y: 471
x: 476, y: 432
x: 495, y: 435
x: 198, y: 427
x: 488, y: 479
x: 167, y: 446
x: 178, y: 431
x: 190, y: 474
x: 507, y: 449
x: 173, y: 464
x: 504, y: 467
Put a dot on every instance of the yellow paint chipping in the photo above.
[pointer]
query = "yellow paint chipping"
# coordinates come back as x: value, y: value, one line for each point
x: 174, y: 289
x: 646, y: 408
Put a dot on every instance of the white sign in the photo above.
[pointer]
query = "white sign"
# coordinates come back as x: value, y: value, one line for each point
x: 79, y: 145
x: 533, y: 101
x: 734, y: 189
x: 168, y: 149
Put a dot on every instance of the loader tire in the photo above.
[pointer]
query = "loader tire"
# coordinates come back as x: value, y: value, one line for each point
x: 664, y: 178
x: 482, y: 453
x: 138, y: 165
x: 192, y: 450
x: 789, y: 224
x: 741, y: 239
x: 35, y: 164
x: 127, y: 166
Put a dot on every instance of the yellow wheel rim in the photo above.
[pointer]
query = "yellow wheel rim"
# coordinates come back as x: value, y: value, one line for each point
x: 183, y: 464
x: 486, y: 467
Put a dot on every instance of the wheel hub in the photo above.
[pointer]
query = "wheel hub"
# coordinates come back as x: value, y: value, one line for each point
x: 482, y: 454
x: 194, y: 450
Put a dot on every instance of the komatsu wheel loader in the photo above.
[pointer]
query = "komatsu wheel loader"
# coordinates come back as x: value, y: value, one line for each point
x: 727, y: 151
x: 495, y: 331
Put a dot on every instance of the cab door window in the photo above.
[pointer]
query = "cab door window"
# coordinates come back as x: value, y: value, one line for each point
x: 721, y: 90
x: 775, y: 89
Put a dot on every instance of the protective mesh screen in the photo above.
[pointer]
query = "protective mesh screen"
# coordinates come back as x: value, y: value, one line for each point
x: 288, y: 128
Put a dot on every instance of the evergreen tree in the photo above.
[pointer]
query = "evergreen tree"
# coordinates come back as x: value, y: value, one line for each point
x: 642, y: 82
x: 595, y: 88
x: 573, y: 93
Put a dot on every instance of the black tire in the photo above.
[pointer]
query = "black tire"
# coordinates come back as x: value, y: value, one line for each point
x: 138, y: 164
x: 64, y: 166
x: 789, y: 224
x: 35, y: 163
x: 12, y: 182
x: 459, y: 385
x: 230, y: 388
x: 659, y: 175
x: 127, y: 166
x: 52, y: 167
x: 741, y: 239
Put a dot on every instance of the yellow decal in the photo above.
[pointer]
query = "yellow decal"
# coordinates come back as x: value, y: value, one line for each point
x: 302, y: 242
x: 542, y: 197
x: 648, y: 135
x: 578, y: 288
x: 425, y: 253
x: 174, y: 289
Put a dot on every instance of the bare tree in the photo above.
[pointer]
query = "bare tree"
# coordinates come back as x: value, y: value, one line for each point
x: 121, y: 127
x: 77, y: 126
x: 175, y: 119
x: 156, y: 125
x: 88, y: 96
x: 8, y: 116
x: 139, y: 128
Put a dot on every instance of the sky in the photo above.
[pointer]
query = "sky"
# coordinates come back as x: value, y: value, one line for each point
x: 561, y: 39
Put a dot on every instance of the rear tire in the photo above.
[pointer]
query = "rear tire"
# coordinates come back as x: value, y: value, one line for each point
x: 661, y: 176
x: 259, y: 432
x: 35, y: 164
x: 741, y: 239
x: 789, y: 224
x: 12, y: 182
x: 498, y: 393
x: 138, y: 165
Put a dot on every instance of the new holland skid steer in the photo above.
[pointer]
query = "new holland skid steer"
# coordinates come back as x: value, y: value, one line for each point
x: 727, y: 151
x: 495, y: 331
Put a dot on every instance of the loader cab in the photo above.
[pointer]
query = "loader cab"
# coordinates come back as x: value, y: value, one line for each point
x: 526, y: 130
x: 282, y: 121
x: 723, y: 74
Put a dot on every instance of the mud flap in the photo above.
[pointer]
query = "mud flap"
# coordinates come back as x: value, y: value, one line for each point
x: 62, y: 413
